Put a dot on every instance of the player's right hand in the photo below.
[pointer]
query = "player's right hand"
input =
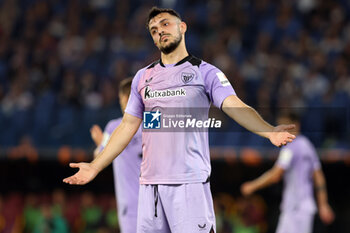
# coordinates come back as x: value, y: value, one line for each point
x: 85, y: 174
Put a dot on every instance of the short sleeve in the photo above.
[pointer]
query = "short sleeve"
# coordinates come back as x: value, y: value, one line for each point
x: 217, y: 86
x: 135, y: 104
x: 285, y: 158
x: 316, y: 165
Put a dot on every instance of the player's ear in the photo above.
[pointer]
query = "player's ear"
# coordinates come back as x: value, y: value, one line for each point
x: 183, y: 27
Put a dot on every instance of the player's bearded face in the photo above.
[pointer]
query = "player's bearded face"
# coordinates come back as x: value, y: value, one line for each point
x: 169, y: 44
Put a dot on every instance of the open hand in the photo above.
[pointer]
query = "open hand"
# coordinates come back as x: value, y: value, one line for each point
x: 85, y: 174
x: 280, y: 135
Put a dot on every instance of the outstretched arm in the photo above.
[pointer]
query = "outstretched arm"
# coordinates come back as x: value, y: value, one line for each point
x: 247, y: 117
x: 120, y: 138
x: 272, y: 176
x: 325, y: 211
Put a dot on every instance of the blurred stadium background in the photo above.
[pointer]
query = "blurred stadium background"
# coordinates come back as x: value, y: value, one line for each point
x: 60, y: 65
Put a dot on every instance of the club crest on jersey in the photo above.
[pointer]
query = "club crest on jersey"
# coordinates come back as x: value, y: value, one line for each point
x: 187, y: 77
x: 149, y: 94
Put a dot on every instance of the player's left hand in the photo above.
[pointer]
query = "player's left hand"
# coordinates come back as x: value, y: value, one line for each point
x: 280, y: 135
x: 247, y: 188
x: 85, y: 174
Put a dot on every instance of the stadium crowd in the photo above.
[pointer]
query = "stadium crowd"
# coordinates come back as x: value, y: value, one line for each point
x: 96, y: 213
x: 61, y: 62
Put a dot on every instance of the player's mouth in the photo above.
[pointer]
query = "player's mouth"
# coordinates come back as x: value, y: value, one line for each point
x: 164, y: 38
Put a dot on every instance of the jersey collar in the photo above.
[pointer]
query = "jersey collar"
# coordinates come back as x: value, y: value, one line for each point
x: 178, y: 63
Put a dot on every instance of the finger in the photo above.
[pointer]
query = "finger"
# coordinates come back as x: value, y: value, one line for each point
x: 68, y: 179
x: 73, y: 180
x: 289, y: 140
x: 74, y: 165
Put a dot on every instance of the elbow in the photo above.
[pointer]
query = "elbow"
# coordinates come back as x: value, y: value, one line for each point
x: 275, y: 178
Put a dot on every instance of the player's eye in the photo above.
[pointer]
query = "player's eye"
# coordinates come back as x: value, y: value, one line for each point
x: 166, y: 24
x: 153, y: 32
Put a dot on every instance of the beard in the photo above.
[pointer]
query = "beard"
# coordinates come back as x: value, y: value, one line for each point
x: 172, y: 46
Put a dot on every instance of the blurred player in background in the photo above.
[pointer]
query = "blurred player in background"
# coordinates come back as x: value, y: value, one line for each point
x: 301, y: 168
x: 126, y: 167
x: 175, y: 192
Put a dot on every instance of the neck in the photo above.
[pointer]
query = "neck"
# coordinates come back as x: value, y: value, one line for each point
x: 177, y: 55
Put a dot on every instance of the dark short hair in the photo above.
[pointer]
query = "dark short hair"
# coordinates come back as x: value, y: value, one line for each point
x: 290, y: 115
x: 156, y: 11
x: 125, y: 86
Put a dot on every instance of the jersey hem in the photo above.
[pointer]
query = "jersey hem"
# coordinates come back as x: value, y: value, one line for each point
x: 199, y: 179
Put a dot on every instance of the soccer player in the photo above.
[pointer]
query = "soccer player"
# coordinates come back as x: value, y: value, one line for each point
x: 174, y: 183
x: 126, y: 167
x: 301, y: 168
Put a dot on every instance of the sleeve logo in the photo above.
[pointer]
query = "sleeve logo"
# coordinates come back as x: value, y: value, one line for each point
x: 105, y: 139
x: 285, y: 156
x: 223, y: 80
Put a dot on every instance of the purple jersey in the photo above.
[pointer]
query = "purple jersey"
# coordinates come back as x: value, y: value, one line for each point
x: 299, y: 160
x: 176, y: 157
x: 126, y: 168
